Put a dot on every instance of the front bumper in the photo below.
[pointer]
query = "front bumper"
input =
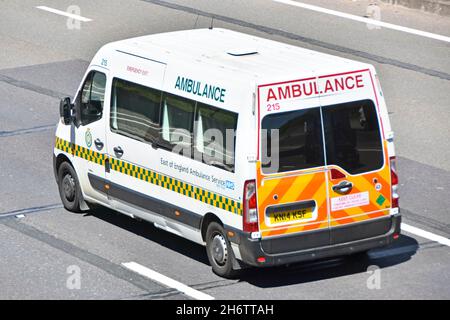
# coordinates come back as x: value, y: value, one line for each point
x: 332, y: 242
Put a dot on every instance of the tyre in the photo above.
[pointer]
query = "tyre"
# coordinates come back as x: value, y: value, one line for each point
x: 69, y: 187
x: 218, y: 249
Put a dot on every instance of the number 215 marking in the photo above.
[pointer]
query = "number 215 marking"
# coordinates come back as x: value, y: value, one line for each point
x: 273, y: 107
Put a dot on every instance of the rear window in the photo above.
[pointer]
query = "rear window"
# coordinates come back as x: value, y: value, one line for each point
x: 352, y: 139
x: 352, y: 136
x: 299, y: 141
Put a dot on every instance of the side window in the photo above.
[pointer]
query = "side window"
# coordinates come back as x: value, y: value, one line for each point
x: 135, y: 110
x: 353, y: 139
x: 214, y: 136
x: 177, y: 121
x: 93, y: 97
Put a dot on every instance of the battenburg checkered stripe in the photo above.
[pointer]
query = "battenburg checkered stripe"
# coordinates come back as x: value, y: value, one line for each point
x: 158, y: 179
x: 80, y: 151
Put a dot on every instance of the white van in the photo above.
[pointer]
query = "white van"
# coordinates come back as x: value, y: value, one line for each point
x: 266, y: 153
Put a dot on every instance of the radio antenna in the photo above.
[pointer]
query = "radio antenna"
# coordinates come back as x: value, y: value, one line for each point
x: 212, y: 23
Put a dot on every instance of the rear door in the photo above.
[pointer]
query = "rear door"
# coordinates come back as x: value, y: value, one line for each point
x: 291, y: 171
x: 356, y: 151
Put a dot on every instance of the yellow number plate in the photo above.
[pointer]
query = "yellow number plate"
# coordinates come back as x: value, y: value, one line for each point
x: 291, y: 215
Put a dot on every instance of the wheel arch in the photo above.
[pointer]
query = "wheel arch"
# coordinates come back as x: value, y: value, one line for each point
x: 58, y: 160
x: 206, y: 220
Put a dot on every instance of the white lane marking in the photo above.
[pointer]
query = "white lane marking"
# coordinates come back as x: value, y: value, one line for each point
x: 63, y: 13
x: 365, y: 20
x: 425, y: 234
x: 158, y: 277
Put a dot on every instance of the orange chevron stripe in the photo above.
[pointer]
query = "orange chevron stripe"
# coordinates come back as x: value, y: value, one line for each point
x: 378, y: 176
x: 311, y: 191
x: 281, y: 187
x: 378, y: 214
x: 321, y: 223
x: 299, y: 185
x: 342, y: 217
x: 312, y: 187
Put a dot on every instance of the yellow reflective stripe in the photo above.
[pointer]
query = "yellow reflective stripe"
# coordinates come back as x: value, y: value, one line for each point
x: 155, y: 178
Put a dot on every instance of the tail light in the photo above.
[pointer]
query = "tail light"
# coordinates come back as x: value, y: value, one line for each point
x: 394, y: 183
x: 250, y: 216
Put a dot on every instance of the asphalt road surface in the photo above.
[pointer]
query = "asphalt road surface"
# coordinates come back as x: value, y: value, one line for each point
x: 43, y: 56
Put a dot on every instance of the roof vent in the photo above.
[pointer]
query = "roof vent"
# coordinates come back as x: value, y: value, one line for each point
x: 238, y: 52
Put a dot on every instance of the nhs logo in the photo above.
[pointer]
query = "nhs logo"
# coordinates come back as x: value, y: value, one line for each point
x: 229, y: 184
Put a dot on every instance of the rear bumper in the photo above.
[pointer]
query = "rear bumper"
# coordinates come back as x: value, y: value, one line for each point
x: 337, y: 241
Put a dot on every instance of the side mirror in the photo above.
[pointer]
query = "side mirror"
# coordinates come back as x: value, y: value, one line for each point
x: 65, y: 110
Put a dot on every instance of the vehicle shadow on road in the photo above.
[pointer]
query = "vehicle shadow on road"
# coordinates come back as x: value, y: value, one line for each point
x: 399, y: 252
x: 395, y: 254
x: 149, y: 231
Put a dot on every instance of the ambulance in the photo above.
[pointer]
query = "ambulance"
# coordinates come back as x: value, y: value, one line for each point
x: 265, y: 153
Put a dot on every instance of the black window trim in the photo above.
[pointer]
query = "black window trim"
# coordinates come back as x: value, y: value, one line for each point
x: 159, y: 143
x: 233, y: 170
x: 126, y: 134
x: 163, y: 144
x: 295, y: 171
x: 380, y: 133
x: 79, y: 97
x: 326, y: 167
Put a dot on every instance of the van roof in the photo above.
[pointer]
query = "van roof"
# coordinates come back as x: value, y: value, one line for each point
x: 237, y: 52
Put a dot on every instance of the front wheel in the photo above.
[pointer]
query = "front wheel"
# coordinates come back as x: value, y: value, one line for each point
x: 69, y: 187
x: 219, y: 251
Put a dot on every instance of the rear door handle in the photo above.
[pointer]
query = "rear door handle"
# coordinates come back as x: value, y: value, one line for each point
x: 118, y: 151
x: 343, y: 187
x: 98, y: 143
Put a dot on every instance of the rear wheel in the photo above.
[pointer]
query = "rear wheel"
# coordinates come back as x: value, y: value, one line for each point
x: 69, y: 187
x: 218, y: 249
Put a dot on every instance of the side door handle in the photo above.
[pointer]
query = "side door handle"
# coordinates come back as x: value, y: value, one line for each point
x: 118, y: 151
x: 98, y: 143
x: 343, y: 187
